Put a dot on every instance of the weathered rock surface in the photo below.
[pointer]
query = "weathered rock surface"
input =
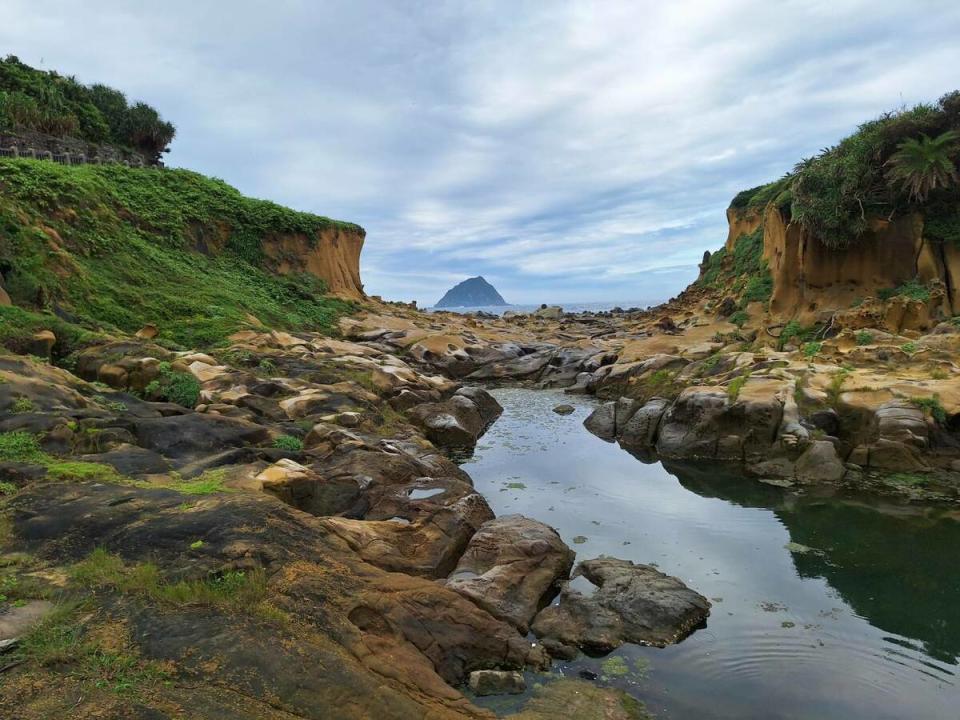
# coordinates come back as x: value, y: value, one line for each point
x: 632, y: 603
x: 511, y: 567
x: 497, y: 682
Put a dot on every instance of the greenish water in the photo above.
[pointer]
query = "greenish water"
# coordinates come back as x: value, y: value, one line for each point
x: 824, y: 606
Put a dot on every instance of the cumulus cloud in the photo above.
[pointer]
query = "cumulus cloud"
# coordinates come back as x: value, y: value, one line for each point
x: 566, y: 151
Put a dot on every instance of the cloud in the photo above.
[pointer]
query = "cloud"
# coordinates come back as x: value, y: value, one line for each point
x: 574, y: 151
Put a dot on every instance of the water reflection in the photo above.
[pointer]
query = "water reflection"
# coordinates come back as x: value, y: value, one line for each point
x: 893, y: 563
x: 824, y: 606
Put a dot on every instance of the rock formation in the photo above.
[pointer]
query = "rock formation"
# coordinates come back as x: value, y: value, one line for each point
x: 473, y: 292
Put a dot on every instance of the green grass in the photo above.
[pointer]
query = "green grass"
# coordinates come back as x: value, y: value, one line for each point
x: 173, y: 386
x: 83, y: 471
x: 911, y: 289
x: 23, y: 405
x: 209, y: 483
x: 735, y: 386
x: 288, y: 442
x: 907, y: 479
x: 61, y: 639
x: 20, y: 447
x: 864, y: 337
x: 932, y: 406
x: 131, y: 238
x: 909, y: 347
x: 835, y: 388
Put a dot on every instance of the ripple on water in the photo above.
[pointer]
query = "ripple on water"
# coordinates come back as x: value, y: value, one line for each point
x: 826, y: 608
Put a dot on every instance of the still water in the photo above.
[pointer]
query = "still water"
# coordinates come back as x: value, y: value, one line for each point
x: 823, y: 607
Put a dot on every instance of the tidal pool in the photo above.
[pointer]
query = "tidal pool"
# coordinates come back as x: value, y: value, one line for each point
x: 824, y: 605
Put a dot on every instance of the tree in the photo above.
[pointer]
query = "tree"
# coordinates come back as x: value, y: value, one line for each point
x: 921, y: 165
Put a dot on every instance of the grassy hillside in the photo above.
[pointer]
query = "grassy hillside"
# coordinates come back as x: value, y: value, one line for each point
x: 902, y: 162
x: 111, y: 248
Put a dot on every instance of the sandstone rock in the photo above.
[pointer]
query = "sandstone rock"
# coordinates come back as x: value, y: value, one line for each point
x: 632, y: 603
x: 894, y: 456
x: 640, y: 431
x: 4, y: 298
x: 819, y: 463
x: 458, y: 421
x: 902, y: 421
x: 497, y: 682
x: 553, y: 312
x: 602, y: 422
x: 510, y: 566
x: 41, y: 343
x: 147, y: 332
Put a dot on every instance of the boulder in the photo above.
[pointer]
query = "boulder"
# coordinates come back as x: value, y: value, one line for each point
x: 602, y: 422
x: 640, y: 431
x: 632, y: 603
x: 511, y: 566
x: 819, y: 463
x: 564, y: 409
x: 458, y: 421
x: 497, y: 682
x: 551, y: 312
x: 41, y: 343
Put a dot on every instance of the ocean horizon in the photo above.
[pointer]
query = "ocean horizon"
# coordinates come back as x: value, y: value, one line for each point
x: 574, y: 307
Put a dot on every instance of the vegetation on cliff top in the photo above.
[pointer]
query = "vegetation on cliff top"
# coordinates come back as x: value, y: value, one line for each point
x: 51, y: 103
x: 114, y: 248
x: 901, y: 162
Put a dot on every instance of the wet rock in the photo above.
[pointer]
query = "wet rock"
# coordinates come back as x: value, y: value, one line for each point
x: 497, y: 682
x: 563, y: 409
x: 511, y: 566
x: 570, y: 699
x: 640, y: 431
x: 632, y: 603
x: 602, y: 422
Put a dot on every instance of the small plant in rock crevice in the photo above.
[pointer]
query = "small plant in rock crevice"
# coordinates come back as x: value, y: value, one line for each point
x: 174, y: 386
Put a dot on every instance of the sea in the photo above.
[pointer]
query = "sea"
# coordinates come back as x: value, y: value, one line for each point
x: 573, y: 307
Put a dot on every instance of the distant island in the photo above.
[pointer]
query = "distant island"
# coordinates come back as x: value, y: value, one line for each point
x: 471, y: 293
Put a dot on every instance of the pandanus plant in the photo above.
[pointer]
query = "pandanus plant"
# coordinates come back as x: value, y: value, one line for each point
x: 921, y: 165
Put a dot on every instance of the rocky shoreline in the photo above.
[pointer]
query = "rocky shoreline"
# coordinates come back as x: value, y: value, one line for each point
x: 322, y: 468
x: 318, y: 468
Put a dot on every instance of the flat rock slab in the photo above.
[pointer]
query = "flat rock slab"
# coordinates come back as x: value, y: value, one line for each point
x: 15, y: 621
x: 632, y: 603
x: 511, y: 566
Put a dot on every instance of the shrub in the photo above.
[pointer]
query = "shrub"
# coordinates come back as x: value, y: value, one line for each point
x: 909, y: 347
x: 739, y: 318
x: 174, y: 386
x: 758, y: 288
x: 931, y: 406
x: 864, y: 337
x: 812, y: 349
x: 51, y: 103
x: 288, y: 442
x: 911, y: 289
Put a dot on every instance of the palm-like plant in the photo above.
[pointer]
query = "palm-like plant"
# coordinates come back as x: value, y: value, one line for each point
x: 924, y: 164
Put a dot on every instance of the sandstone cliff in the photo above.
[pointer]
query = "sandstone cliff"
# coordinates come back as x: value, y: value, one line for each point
x: 333, y: 255
x: 812, y: 281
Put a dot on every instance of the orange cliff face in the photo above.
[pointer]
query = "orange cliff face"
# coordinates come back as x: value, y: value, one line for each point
x: 333, y: 256
x: 811, y: 279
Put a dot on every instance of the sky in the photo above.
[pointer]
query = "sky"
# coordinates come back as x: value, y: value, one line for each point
x: 566, y: 151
